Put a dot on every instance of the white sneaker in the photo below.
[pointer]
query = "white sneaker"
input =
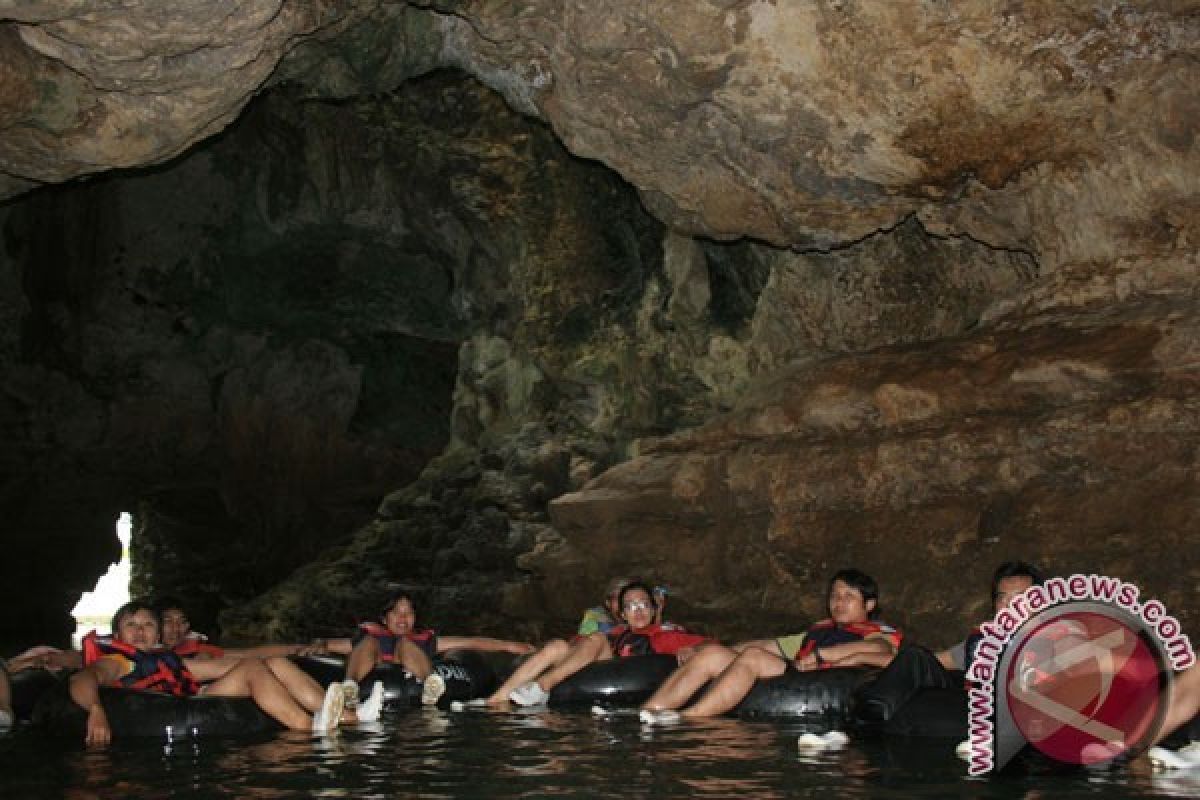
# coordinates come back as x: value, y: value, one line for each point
x: 6, y: 720
x: 529, y: 694
x: 330, y: 714
x: 664, y: 717
x: 434, y: 688
x: 370, y: 709
x: 810, y: 741
x: 1163, y: 758
x: 350, y: 693
x: 835, y: 740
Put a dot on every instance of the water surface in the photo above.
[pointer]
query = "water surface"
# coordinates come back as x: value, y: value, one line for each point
x: 430, y: 753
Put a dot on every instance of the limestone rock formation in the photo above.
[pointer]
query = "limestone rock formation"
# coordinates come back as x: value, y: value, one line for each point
x: 731, y: 292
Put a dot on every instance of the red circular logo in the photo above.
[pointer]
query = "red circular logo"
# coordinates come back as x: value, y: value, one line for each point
x: 1085, y: 687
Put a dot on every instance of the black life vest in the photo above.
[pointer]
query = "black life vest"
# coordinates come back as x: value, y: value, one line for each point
x: 426, y: 639
x: 157, y: 671
x: 625, y: 642
x: 970, y: 645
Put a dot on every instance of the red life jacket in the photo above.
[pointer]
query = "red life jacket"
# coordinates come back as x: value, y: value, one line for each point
x: 197, y: 645
x: 158, y: 671
x: 828, y: 633
x: 425, y: 639
x: 665, y: 639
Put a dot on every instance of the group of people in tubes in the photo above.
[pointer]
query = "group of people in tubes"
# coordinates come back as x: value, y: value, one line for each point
x: 152, y: 648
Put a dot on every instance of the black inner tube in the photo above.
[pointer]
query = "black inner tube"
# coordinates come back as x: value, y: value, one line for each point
x: 152, y: 714
x: 617, y: 682
x: 466, y: 673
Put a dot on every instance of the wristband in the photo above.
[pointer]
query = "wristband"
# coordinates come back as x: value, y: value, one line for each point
x: 817, y: 656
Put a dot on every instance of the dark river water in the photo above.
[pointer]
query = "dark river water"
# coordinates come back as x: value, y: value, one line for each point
x: 430, y: 753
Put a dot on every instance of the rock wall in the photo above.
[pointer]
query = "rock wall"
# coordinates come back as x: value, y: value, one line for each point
x: 902, y: 283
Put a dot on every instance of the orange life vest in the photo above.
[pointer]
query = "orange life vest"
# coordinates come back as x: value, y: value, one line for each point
x: 157, y: 671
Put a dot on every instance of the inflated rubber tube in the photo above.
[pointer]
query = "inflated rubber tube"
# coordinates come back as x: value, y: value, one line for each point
x: 151, y: 714
x: 28, y: 686
x: 617, y: 682
x: 823, y: 693
x: 931, y: 713
x: 466, y: 674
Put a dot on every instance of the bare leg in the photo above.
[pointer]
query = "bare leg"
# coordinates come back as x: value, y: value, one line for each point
x: 306, y: 691
x: 363, y: 659
x: 770, y: 645
x: 707, y: 663
x: 593, y: 648
x: 736, y: 682
x: 1185, y: 702
x: 413, y: 659
x: 551, y: 653
x: 252, y: 678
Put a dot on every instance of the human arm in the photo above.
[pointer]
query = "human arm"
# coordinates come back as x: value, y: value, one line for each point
x: 875, y: 651
x: 483, y: 643
x: 85, y: 691
x: 43, y: 657
x: 316, y: 647
x: 341, y: 647
x: 947, y: 658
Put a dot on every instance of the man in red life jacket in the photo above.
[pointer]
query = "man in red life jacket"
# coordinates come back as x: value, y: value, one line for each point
x: 915, y: 668
x: 398, y: 640
x: 638, y: 634
x: 132, y: 658
x: 178, y: 636
x: 849, y: 638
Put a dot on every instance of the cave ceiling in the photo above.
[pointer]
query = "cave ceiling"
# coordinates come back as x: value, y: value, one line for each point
x: 542, y: 274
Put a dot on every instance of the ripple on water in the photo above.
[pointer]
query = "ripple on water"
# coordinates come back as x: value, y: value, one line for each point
x: 433, y: 754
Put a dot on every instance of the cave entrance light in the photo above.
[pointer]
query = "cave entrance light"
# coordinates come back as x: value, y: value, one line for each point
x: 95, y: 609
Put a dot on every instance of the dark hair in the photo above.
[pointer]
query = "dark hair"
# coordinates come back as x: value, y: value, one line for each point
x: 632, y: 586
x: 168, y: 603
x: 396, y: 597
x: 863, y: 583
x: 1014, y: 569
x: 131, y: 608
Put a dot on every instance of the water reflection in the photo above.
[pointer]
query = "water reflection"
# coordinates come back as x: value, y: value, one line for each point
x: 512, y: 755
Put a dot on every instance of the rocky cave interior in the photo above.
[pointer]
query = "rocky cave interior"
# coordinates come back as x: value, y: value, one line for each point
x: 497, y: 300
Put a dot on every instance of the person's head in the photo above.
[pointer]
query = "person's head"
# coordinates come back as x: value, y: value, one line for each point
x: 853, y: 597
x: 1009, y: 580
x: 175, y: 623
x: 612, y: 596
x: 137, y: 624
x: 400, y: 614
x: 637, y: 604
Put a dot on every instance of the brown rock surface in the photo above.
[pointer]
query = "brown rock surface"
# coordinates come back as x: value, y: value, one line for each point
x: 957, y: 325
x: 1071, y: 444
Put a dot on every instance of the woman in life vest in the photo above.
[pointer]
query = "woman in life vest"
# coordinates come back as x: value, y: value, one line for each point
x: 558, y: 660
x: 132, y: 658
x: 399, y: 641
x: 849, y: 638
